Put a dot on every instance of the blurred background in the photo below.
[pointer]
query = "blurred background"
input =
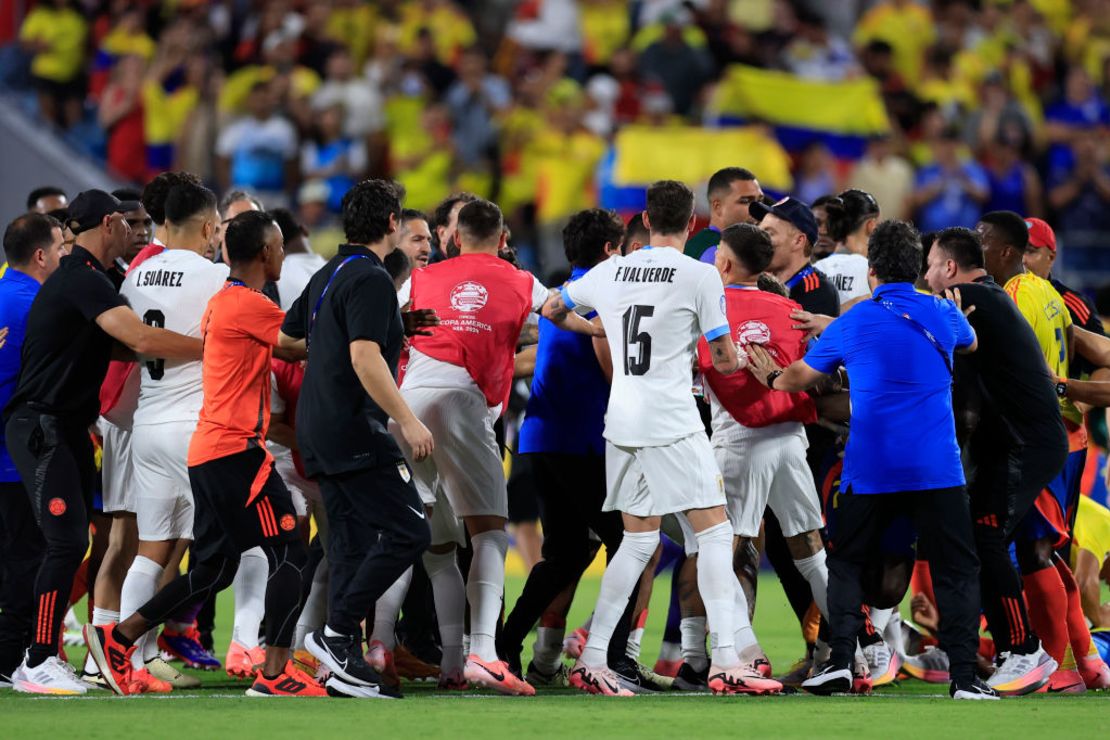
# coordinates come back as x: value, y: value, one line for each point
x: 550, y: 106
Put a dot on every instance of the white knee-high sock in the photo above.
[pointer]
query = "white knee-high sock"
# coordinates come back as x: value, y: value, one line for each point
x: 716, y: 583
x: 879, y: 618
x: 744, y: 635
x: 547, y: 650
x: 484, y: 589
x: 250, y: 596
x: 692, y: 630
x: 814, y: 570
x: 315, y: 609
x: 140, y: 584
x: 621, y: 575
x: 450, y: 600
x: 387, y: 608
x: 893, y: 633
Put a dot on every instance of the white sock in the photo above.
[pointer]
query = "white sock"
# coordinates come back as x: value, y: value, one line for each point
x: 387, y: 608
x: 139, y: 585
x: 620, y: 577
x: 249, y: 587
x: 485, y: 588
x: 692, y: 630
x: 744, y: 636
x: 547, y: 650
x: 814, y: 570
x: 100, y: 617
x: 670, y: 651
x: 893, y: 634
x: 450, y: 600
x: 716, y: 583
x: 879, y: 618
x: 315, y: 609
x: 632, y: 650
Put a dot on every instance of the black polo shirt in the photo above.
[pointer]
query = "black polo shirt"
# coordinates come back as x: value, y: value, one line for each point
x: 339, y: 427
x: 65, y: 353
x: 813, y: 291
x: 1008, y: 375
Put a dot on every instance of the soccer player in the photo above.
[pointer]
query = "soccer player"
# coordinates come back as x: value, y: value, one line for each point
x: 1016, y: 447
x: 758, y: 436
x: 240, y: 501
x: 851, y: 218
x: 457, y: 382
x: 731, y: 192
x: 349, y: 315
x: 1039, y: 258
x: 893, y: 467
x: 170, y: 289
x: 446, y: 219
x: 46, y: 200
x: 301, y: 263
x: 54, y: 403
x: 33, y: 249
x: 1049, y: 582
x: 414, y: 238
x: 635, y: 235
x: 654, y: 305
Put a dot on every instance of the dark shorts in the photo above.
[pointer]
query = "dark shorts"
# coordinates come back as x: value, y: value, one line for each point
x: 227, y: 520
x: 898, y: 536
x: 524, y: 500
x: 1053, y: 513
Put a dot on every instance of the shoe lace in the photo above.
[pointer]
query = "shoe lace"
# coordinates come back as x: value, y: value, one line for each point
x: 60, y: 669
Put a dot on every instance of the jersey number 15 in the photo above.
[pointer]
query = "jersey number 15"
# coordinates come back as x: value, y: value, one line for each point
x: 636, y: 341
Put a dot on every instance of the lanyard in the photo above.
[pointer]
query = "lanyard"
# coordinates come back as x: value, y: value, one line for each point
x: 920, y: 329
x: 236, y: 282
x: 802, y: 275
x: 324, y: 292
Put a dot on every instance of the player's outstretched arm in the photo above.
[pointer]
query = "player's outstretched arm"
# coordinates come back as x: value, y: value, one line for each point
x: 797, y: 377
x: 290, y: 349
x: 555, y: 310
x: 1087, y: 567
x: 726, y: 360
x: 377, y: 380
x: 1091, y: 347
x: 125, y: 326
x: 811, y: 323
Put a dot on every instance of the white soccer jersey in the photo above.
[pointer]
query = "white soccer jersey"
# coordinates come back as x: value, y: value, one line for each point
x: 296, y: 271
x: 848, y: 273
x: 171, y: 290
x: 654, y: 304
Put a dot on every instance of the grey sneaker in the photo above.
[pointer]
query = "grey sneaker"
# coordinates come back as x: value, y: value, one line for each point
x: 1017, y: 674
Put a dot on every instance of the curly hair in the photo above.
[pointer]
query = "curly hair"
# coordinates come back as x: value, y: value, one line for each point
x: 894, y: 252
x: 367, y: 208
x: 158, y: 189
x: 587, y: 233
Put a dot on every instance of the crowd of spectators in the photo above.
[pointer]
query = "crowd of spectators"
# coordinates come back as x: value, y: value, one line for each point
x: 992, y: 103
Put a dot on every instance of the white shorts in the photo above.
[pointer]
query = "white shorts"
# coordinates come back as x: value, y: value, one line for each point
x: 653, y: 481
x: 164, y: 499
x: 117, y: 472
x: 466, y: 462
x: 305, y: 492
x: 768, y: 468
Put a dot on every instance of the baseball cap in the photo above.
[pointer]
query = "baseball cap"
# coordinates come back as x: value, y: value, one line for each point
x: 792, y: 210
x: 89, y: 208
x: 1040, y: 234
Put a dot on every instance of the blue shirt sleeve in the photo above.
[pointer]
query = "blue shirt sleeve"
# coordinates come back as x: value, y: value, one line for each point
x: 827, y: 353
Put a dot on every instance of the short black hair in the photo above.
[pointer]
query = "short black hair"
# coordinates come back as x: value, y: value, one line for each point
x: 234, y: 196
x: 849, y: 211
x: 894, y: 252
x: 1010, y: 227
x: 287, y: 221
x: 481, y: 221
x: 246, y: 235
x: 27, y: 234
x: 186, y: 200
x: 397, y: 264
x: 670, y: 204
x: 367, y: 208
x: 442, y: 213
x: 751, y: 245
x: 963, y: 246
x: 411, y: 214
x: 722, y: 180
x: 45, y: 191
x: 634, y: 230
x: 586, y: 234
x: 157, y: 190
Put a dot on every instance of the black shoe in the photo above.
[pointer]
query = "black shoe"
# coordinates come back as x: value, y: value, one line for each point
x: 829, y: 680
x: 638, y: 679
x: 687, y: 679
x: 512, y: 659
x: 343, y: 655
x: 974, y: 689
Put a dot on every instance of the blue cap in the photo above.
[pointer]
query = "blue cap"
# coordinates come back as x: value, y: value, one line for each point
x: 792, y: 210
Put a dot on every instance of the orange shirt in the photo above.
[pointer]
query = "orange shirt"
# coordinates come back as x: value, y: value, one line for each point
x: 239, y: 329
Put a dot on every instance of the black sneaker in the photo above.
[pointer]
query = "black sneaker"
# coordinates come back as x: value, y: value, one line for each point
x: 687, y: 679
x: 343, y: 655
x: 975, y: 690
x: 638, y: 679
x: 829, y: 680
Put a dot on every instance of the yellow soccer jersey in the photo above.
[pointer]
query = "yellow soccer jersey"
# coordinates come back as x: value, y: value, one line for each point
x: 1045, y: 311
x: 1092, y: 530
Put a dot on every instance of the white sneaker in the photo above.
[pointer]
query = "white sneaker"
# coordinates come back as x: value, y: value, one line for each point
x: 52, y: 676
x: 5, y: 682
x: 930, y: 666
x: 160, y: 669
x: 1017, y: 675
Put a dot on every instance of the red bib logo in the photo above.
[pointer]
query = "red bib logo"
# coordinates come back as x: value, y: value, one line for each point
x: 288, y: 522
x: 753, y: 332
x: 56, y: 506
x: 469, y: 297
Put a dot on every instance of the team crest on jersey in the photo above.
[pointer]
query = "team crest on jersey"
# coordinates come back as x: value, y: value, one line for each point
x: 288, y: 522
x: 753, y: 332
x: 56, y: 506
x: 403, y: 469
x: 469, y: 296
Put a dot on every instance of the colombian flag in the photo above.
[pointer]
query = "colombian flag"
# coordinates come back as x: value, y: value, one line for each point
x: 841, y: 114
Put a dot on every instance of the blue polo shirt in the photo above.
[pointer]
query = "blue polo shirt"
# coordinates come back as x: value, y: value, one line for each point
x: 17, y: 291
x: 566, y: 411
x: 903, y: 433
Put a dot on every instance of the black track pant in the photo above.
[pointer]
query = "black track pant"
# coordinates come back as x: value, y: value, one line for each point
x: 21, y: 552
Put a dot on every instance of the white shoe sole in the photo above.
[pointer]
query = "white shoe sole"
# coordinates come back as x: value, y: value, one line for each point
x: 973, y: 696
x: 338, y: 687
x: 322, y: 654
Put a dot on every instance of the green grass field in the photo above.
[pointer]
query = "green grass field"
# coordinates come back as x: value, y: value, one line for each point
x: 911, y: 709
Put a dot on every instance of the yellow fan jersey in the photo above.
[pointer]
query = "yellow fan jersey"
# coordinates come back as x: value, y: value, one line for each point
x: 1092, y: 530
x: 1045, y: 311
